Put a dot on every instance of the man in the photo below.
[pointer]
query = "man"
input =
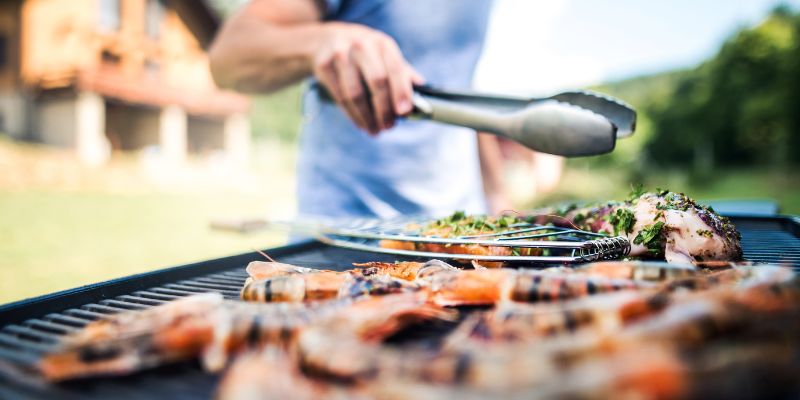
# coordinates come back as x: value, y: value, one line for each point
x: 362, y: 158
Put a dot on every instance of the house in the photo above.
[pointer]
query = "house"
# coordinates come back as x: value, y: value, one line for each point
x: 101, y: 76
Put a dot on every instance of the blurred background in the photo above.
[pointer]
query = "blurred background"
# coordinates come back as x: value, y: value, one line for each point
x: 116, y: 149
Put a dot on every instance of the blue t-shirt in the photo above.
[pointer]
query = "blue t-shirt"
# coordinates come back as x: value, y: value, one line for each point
x: 417, y: 166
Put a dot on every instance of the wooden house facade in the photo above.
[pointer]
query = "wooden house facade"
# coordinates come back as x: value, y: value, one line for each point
x: 102, y: 76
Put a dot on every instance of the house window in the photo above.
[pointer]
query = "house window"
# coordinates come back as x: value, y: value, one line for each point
x: 109, y: 15
x: 153, y: 18
x: 3, y: 57
x: 109, y: 58
x: 152, y: 69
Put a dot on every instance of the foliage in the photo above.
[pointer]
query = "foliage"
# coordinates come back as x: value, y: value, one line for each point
x: 737, y: 108
x: 277, y: 115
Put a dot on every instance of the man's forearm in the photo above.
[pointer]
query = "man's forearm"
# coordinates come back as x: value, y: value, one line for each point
x: 281, y: 54
x: 273, y: 43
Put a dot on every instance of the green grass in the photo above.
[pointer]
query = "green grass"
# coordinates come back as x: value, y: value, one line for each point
x: 54, y: 240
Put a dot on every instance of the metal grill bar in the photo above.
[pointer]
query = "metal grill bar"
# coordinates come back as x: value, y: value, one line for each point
x: 67, y: 320
x: 50, y: 327
x: 91, y: 316
x: 157, y: 296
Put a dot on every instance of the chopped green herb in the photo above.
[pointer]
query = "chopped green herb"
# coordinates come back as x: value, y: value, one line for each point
x: 622, y: 220
x: 650, y: 236
x: 460, y: 224
x: 506, y: 221
x: 637, y: 191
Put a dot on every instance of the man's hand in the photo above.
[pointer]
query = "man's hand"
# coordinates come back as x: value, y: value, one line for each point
x: 269, y: 44
x: 365, y: 73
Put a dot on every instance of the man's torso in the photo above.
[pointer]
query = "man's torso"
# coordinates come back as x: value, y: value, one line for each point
x: 417, y: 166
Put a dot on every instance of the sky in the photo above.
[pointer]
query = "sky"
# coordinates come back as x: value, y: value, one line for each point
x: 538, y: 47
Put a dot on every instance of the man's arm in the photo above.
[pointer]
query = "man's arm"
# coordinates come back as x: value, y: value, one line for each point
x: 494, y: 187
x: 269, y: 44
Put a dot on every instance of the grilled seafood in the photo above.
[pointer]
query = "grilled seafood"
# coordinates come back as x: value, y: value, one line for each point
x: 258, y: 270
x: 370, y: 278
x: 487, y: 287
x: 207, y: 326
x: 267, y: 374
x: 662, y: 224
x: 612, y: 329
x: 321, y: 286
x: 331, y: 347
x: 406, y: 270
x: 132, y: 341
x: 295, y: 287
x: 272, y: 373
x: 466, y: 226
x: 633, y: 323
x: 641, y: 372
x: 240, y: 326
x: 200, y: 326
x: 511, y: 321
x: 639, y: 270
x: 402, y: 270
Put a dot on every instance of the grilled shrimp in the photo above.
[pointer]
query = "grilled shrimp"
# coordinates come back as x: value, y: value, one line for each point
x: 486, y: 287
x: 402, y: 270
x: 641, y: 371
x: 511, y: 321
x: 369, y: 278
x: 530, y: 286
x: 332, y: 347
x: 272, y: 373
x: 264, y: 270
x: 266, y: 374
x: 241, y: 326
x: 199, y: 326
x: 636, y: 350
x: 132, y: 341
x: 650, y: 372
x: 322, y: 286
x: 295, y: 287
x: 406, y: 270
x: 639, y: 270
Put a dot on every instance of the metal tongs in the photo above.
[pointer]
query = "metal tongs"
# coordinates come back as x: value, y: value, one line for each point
x: 576, y: 123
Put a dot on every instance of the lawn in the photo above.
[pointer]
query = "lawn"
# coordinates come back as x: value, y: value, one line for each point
x: 57, y: 240
x: 64, y: 225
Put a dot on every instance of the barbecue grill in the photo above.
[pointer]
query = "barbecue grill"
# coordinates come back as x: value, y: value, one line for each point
x: 30, y: 327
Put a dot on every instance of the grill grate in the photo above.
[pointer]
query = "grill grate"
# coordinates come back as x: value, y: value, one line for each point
x: 770, y: 240
x: 23, y: 338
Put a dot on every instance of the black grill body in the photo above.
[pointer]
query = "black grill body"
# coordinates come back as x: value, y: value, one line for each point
x: 31, y: 327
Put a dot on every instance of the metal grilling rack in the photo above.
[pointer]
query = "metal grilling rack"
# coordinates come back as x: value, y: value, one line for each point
x: 558, y: 244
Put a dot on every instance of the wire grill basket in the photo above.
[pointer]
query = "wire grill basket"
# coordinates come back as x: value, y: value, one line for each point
x: 557, y: 244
